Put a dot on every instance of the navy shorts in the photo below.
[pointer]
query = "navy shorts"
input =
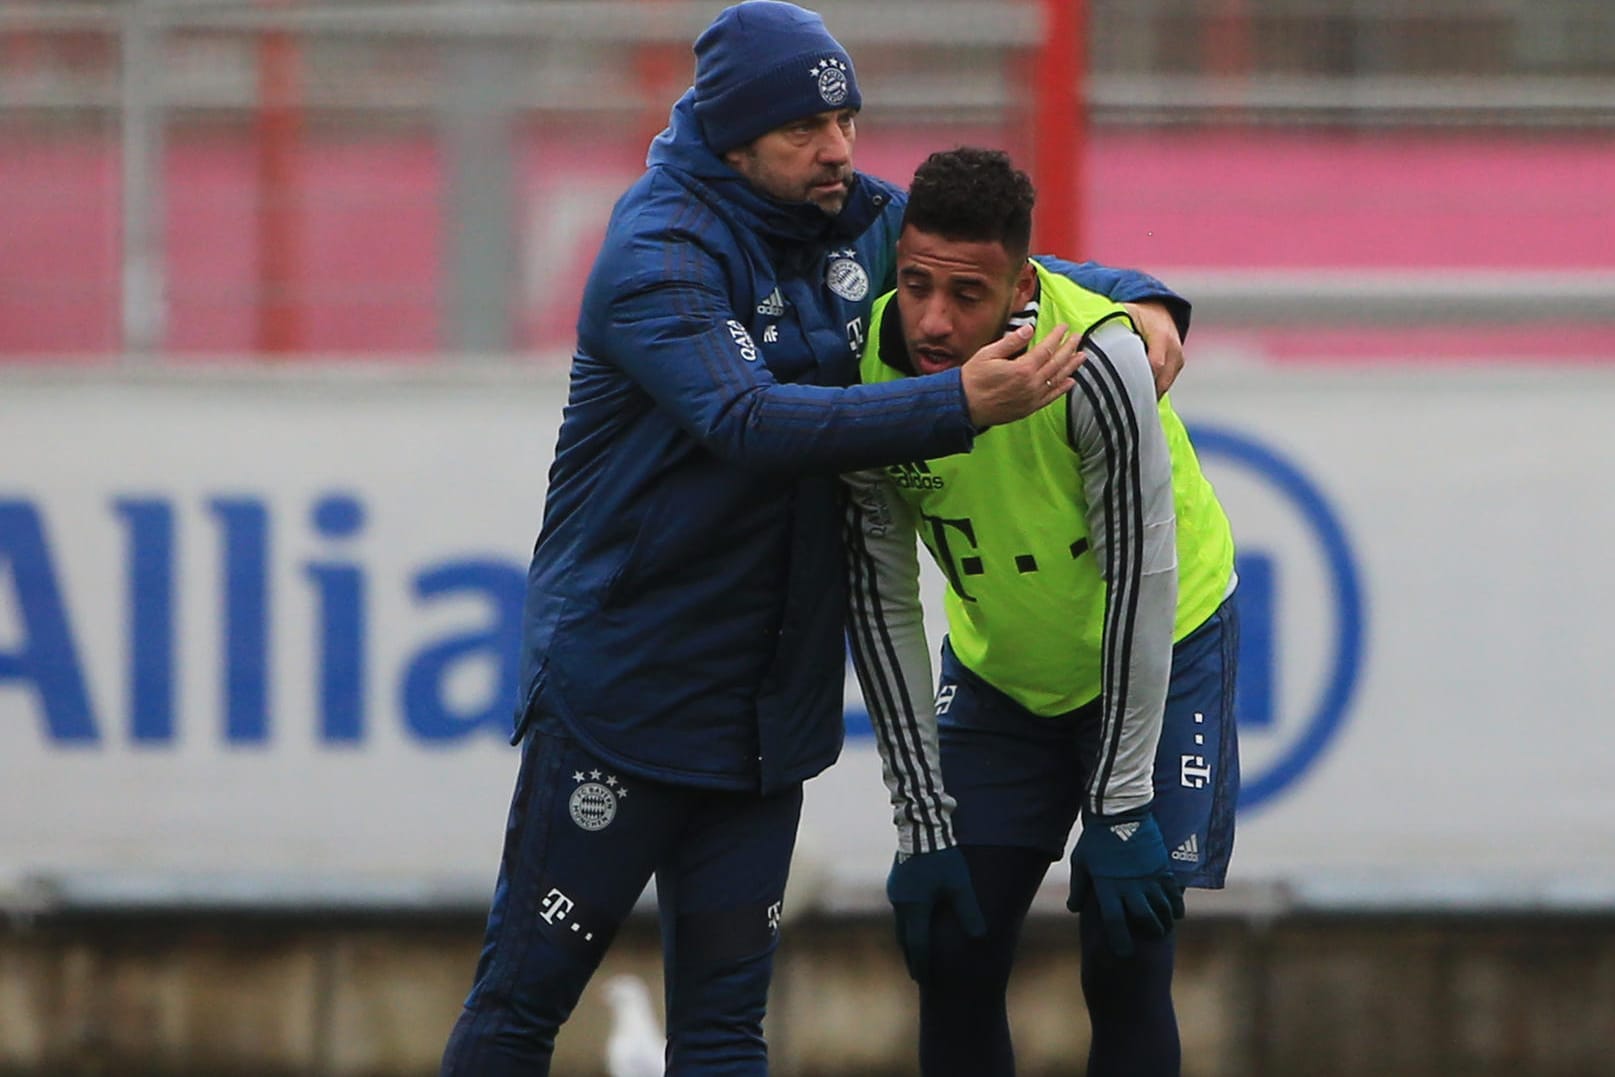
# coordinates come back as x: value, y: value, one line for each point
x: 1018, y: 778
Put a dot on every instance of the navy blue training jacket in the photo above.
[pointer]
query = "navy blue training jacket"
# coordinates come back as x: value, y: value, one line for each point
x: 686, y: 597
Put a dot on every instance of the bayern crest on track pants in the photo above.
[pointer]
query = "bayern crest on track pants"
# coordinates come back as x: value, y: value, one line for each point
x: 582, y: 841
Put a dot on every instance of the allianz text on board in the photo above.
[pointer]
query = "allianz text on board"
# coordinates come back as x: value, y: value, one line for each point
x: 40, y: 648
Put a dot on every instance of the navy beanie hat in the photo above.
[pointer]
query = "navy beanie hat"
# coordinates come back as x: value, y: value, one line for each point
x: 762, y: 64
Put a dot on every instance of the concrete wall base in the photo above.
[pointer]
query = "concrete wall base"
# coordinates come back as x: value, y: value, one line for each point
x: 321, y: 996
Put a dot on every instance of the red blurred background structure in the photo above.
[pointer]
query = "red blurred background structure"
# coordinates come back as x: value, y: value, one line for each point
x: 278, y: 139
x: 1059, y: 126
x: 306, y: 177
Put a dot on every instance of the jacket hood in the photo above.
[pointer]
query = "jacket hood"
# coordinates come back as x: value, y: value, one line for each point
x: 682, y: 149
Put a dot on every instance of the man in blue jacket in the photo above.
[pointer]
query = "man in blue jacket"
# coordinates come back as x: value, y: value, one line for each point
x: 683, y: 650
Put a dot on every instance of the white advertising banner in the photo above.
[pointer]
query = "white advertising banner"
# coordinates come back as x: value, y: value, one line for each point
x: 261, y: 626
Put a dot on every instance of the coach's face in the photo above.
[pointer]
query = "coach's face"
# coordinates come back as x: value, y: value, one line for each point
x: 955, y: 296
x: 806, y: 160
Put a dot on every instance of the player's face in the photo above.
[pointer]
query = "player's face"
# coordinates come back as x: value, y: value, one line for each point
x: 806, y: 160
x: 956, y: 296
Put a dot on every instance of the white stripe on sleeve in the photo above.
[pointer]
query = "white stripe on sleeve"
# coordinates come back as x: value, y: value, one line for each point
x: 1115, y: 428
x: 886, y: 628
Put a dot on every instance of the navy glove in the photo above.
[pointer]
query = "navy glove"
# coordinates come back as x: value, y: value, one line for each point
x: 1122, y: 859
x: 916, y: 887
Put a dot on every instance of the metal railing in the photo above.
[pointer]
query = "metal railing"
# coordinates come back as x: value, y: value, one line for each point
x: 133, y: 72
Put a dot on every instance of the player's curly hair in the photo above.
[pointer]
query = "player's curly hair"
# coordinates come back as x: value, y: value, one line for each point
x: 973, y: 194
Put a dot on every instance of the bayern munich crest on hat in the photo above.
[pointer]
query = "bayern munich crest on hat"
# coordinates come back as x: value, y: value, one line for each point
x: 832, y: 76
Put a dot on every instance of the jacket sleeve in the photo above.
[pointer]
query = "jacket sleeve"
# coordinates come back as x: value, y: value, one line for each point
x: 669, y: 326
x: 1127, y: 478
x: 886, y: 630
x: 1123, y: 286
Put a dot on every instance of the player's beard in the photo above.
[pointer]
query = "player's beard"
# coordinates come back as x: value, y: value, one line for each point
x: 829, y: 192
x: 827, y: 188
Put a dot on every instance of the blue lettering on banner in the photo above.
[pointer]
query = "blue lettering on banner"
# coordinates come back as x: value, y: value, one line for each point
x: 1257, y: 707
x: 340, y: 591
x: 41, y: 661
x: 40, y: 654
x: 149, y: 579
x: 1258, y: 651
x: 244, y: 530
x: 427, y: 713
x: 45, y: 657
